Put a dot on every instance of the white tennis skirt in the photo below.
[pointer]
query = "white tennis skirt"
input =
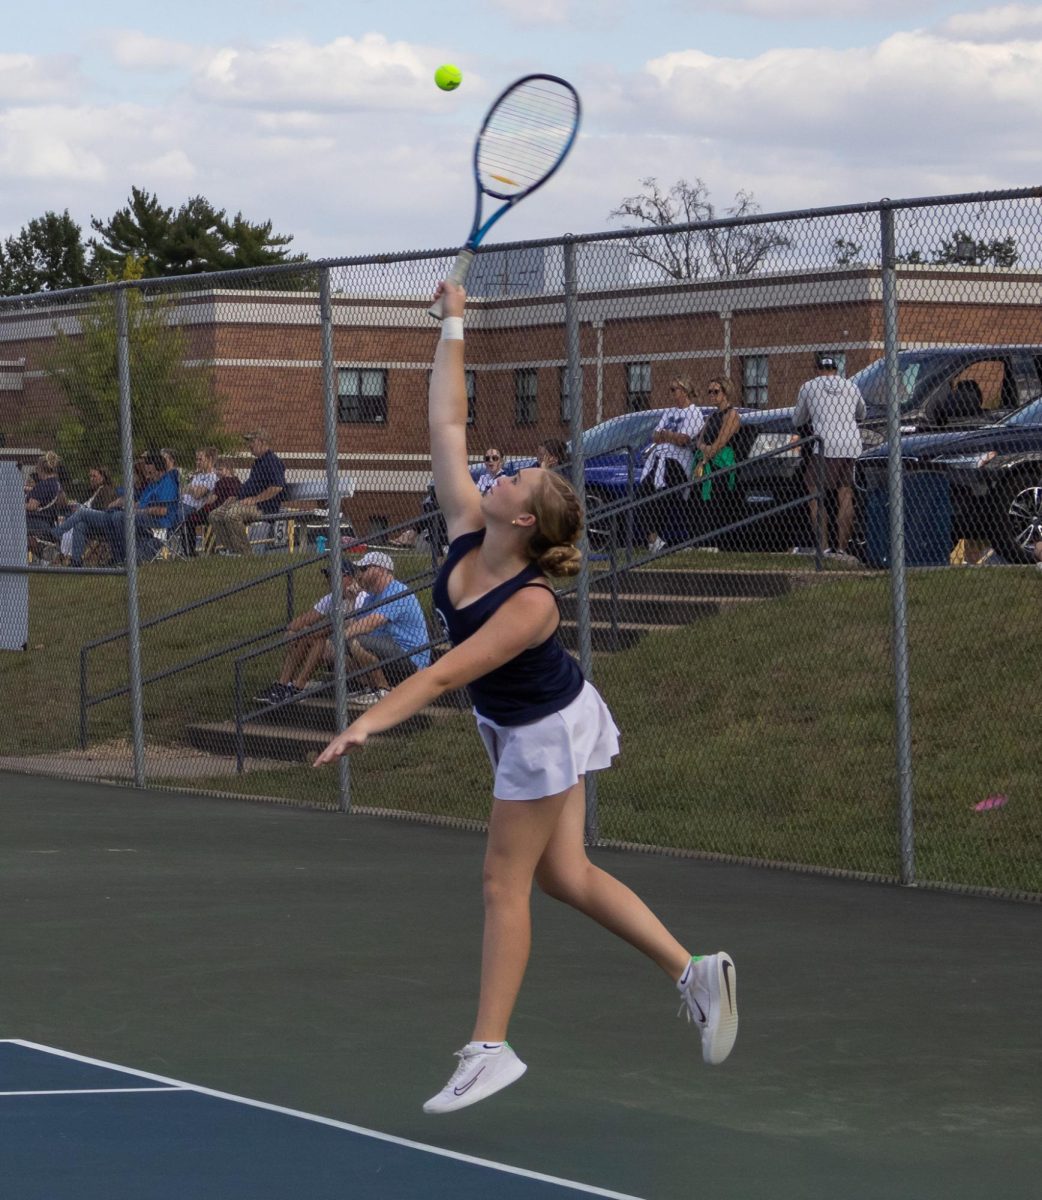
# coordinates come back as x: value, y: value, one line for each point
x: 550, y: 755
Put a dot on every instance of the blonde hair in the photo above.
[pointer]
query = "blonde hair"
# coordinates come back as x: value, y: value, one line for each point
x: 48, y: 463
x: 726, y: 386
x: 558, y: 526
x: 685, y: 382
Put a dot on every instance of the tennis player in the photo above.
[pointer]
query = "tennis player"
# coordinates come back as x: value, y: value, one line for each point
x: 542, y: 724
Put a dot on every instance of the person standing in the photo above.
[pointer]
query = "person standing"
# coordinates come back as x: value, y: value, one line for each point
x: 832, y: 406
x: 493, y: 469
x: 668, y: 464
x: 714, y: 453
x: 259, y: 498
x: 543, y: 726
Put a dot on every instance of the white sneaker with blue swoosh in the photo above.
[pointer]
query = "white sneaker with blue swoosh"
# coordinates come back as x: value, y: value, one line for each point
x: 483, y: 1070
x: 710, y: 997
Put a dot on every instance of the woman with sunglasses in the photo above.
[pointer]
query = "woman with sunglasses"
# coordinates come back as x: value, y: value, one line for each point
x: 714, y: 452
x: 493, y: 468
x: 668, y: 465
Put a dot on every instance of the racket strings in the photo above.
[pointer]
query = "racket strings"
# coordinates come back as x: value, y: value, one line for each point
x: 525, y: 137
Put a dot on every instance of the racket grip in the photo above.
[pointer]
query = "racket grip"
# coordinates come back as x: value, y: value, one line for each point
x: 457, y: 275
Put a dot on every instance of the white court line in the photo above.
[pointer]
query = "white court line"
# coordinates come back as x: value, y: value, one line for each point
x: 92, y: 1091
x: 292, y: 1112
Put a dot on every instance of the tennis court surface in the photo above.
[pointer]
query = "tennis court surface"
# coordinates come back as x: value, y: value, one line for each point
x: 211, y: 998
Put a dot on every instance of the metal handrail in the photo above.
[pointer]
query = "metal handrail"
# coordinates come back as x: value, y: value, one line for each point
x: 87, y: 701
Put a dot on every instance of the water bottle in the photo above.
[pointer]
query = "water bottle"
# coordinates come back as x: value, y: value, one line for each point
x: 321, y: 543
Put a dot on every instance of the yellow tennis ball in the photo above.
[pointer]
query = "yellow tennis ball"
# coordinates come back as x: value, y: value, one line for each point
x: 448, y: 77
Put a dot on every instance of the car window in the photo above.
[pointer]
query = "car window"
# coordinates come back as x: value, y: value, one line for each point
x: 630, y: 429
x: 872, y: 380
x: 989, y: 376
x: 1030, y: 414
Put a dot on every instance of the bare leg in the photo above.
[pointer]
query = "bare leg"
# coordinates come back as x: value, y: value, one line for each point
x: 844, y: 518
x: 518, y: 833
x: 565, y: 873
x: 313, y: 655
x: 296, y: 653
x: 376, y: 678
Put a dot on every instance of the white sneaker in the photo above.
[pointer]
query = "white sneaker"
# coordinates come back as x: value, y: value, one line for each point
x: 656, y: 545
x: 710, y: 997
x: 480, y: 1073
x: 373, y: 696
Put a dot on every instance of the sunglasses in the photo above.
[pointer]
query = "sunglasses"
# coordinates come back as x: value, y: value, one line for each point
x: 492, y: 458
x: 675, y: 387
x: 714, y: 391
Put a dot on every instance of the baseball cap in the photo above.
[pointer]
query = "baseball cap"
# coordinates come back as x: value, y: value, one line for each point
x: 375, y: 559
x: 826, y: 362
x: 260, y: 435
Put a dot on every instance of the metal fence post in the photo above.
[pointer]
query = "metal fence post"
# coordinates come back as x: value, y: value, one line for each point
x: 137, y: 719
x: 898, y: 591
x: 335, y: 549
x: 575, y: 416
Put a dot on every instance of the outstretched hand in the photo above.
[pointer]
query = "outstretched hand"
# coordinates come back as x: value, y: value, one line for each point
x: 452, y: 296
x: 343, y: 743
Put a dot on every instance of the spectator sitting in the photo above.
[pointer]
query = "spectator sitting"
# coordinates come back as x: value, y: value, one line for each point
x: 552, y: 454
x: 493, y: 470
x: 44, y: 500
x: 157, y: 506
x: 102, y: 495
x: 195, y: 495
x: 304, y: 655
x: 397, y: 626
x: 227, y: 487
x: 260, y: 497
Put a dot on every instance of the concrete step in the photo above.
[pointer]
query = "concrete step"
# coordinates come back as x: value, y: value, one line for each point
x: 701, y: 583
x: 319, y: 712
x: 644, y: 609
x: 259, y: 741
x: 610, y: 638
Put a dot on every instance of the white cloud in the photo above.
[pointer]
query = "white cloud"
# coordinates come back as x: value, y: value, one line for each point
x: 1001, y: 24
x: 361, y: 74
x: 821, y: 10
x: 33, y: 79
x: 133, y: 50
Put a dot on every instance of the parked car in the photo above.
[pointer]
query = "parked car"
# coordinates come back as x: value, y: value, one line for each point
x: 951, y: 387
x: 994, y: 476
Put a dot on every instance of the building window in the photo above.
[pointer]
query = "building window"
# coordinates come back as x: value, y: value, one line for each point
x: 754, y: 381
x: 361, y: 395
x: 526, y: 410
x: 638, y: 386
x: 470, y: 379
x: 472, y: 393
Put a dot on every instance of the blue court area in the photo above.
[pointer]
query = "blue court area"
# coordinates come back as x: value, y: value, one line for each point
x: 78, y: 1129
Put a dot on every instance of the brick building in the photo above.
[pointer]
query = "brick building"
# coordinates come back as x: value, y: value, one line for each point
x: 263, y: 351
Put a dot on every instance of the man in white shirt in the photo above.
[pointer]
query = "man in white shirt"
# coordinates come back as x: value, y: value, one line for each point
x: 832, y: 407
x: 305, y: 654
x: 669, y: 463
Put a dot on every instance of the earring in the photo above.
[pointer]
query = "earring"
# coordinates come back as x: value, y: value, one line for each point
x: 513, y: 522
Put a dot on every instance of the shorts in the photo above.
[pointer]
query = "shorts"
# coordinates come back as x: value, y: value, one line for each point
x: 835, y: 473
x: 386, y: 648
x: 550, y: 755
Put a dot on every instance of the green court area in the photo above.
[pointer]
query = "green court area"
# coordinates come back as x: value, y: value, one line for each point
x: 889, y: 1044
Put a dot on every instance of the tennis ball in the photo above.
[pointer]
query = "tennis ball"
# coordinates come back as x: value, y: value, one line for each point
x: 448, y: 77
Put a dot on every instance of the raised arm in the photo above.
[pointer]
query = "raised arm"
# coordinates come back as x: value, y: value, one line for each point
x: 447, y: 417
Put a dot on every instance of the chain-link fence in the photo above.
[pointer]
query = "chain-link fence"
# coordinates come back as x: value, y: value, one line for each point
x: 811, y: 451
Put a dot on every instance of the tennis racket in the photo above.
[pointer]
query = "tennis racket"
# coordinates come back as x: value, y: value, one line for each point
x: 522, y: 141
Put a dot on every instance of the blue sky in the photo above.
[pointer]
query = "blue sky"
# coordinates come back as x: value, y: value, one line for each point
x: 324, y: 118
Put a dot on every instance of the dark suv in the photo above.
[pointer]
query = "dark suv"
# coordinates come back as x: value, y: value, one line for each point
x: 994, y: 476
x: 951, y: 387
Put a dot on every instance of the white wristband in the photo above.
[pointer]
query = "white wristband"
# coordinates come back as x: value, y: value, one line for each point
x: 452, y: 329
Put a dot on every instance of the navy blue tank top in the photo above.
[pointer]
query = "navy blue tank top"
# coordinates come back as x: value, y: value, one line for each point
x: 539, y: 681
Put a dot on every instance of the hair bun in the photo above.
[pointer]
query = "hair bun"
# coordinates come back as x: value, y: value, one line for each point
x: 560, y: 561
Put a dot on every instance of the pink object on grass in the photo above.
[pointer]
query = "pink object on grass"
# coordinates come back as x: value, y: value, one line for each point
x: 991, y: 802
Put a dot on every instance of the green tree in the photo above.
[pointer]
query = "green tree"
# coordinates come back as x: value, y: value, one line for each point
x: 195, y: 237
x: 46, y: 255
x: 172, y: 401
x: 965, y: 249
x: 697, y: 253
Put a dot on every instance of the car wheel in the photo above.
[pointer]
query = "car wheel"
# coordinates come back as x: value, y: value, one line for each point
x: 1021, y: 518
